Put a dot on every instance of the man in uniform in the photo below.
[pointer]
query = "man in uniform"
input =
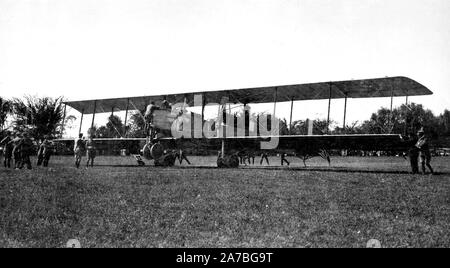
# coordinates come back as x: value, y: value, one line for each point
x: 251, y: 158
x: 79, y: 149
x: 424, y: 148
x: 48, y: 152
x: 91, y: 151
x: 165, y: 105
x: 265, y: 156
x: 242, y: 157
x: 40, y: 154
x: 45, y: 152
x: 413, y: 154
x: 16, y: 153
x: 7, y: 149
x: 284, y: 160
x: 26, y: 149
x: 181, y: 156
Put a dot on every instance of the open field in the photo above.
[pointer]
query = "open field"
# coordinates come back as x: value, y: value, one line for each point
x: 126, y: 206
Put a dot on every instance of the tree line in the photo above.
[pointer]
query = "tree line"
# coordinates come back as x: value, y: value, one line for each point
x: 406, y: 120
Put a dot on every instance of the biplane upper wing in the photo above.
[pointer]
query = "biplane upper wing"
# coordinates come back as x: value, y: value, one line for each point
x: 367, y: 88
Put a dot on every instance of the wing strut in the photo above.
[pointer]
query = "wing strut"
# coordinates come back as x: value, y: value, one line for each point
x: 64, y: 121
x: 345, y: 112
x: 391, y: 116
x: 93, y: 115
x: 223, y: 148
x: 275, y: 102
x: 329, y: 110
x: 290, y: 119
x: 81, y: 122
x: 126, y: 117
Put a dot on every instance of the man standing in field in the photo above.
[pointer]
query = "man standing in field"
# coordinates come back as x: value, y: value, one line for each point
x: 16, y: 153
x: 264, y: 156
x: 91, y: 151
x: 7, y: 142
x: 180, y: 155
x: 251, y: 157
x: 284, y: 160
x: 242, y: 157
x: 40, y: 154
x: 414, y: 159
x: 26, y: 149
x: 424, y: 148
x: 45, y: 151
x: 79, y: 149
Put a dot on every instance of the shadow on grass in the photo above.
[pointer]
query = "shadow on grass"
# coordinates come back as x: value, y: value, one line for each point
x: 313, y: 169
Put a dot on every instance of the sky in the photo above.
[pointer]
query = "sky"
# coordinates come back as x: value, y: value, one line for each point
x: 83, y: 49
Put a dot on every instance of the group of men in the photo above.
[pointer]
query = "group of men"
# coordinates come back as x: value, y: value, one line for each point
x: 19, y: 147
x: 87, y: 147
x: 249, y: 157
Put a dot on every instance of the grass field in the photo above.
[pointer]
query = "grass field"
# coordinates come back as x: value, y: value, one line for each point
x: 345, y: 205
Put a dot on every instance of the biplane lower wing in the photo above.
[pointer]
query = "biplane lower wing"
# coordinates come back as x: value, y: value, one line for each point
x: 375, y: 142
x: 303, y: 143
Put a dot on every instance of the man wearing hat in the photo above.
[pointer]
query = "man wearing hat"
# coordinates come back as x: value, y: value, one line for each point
x: 7, y: 150
x: 264, y: 156
x: 424, y: 148
x: 79, y: 149
x: 16, y: 152
x: 45, y: 151
x: 26, y: 149
x: 40, y: 154
x: 91, y: 147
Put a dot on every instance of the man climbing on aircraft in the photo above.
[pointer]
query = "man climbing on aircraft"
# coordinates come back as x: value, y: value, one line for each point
x: 165, y: 105
x: 149, y: 127
x: 424, y: 148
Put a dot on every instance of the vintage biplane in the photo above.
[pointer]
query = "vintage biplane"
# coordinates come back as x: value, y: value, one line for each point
x: 158, y: 148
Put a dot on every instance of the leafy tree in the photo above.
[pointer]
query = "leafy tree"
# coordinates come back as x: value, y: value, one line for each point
x: 444, y: 123
x: 405, y: 120
x: 42, y: 116
x: 136, y: 129
x: 354, y: 128
x: 113, y: 129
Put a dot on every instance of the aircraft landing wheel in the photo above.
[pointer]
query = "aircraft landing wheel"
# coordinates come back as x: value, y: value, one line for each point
x: 167, y: 160
x: 230, y: 161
